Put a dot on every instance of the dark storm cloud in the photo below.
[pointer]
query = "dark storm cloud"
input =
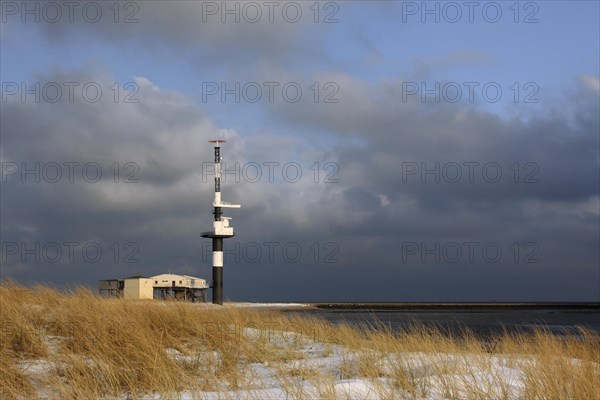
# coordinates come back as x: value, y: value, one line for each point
x: 159, y: 207
x: 88, y: 130
x: 359, y: 225
x: 158, y: 137
x: 553, y: 204
x: 204, y: 32
x: 562, y: 146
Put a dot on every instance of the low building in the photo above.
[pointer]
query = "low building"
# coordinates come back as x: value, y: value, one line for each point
x: 182, y: 287
x: 164, y: 286
x: 138, y: 287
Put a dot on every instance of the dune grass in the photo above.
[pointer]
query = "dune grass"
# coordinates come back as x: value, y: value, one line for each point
x: 78, y: 345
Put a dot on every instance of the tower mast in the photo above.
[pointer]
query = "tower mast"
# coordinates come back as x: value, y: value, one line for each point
x: 221, y: 229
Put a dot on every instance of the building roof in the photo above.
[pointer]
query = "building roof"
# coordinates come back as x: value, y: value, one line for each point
x: 197, y: 282
x: 176, y: 276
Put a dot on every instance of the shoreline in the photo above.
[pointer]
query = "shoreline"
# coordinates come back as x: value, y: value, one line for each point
x: 453, y: 306
x: 413, y: 306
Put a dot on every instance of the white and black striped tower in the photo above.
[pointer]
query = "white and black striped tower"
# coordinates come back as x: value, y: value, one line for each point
x: 221, y: 229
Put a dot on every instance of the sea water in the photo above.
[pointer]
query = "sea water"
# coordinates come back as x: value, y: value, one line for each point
x: 484, y: 323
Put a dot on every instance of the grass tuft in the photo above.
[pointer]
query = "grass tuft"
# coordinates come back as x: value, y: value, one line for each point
x: 78, y: 345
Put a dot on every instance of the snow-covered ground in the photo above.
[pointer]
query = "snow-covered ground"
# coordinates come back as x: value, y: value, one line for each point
x: 316, y: 370
x: 324, y: 370
x: 502, y: 381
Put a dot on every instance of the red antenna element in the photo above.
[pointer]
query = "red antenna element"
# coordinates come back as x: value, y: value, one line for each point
x: 217, y: 141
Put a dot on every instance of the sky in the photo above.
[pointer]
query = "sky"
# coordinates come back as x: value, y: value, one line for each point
x: 381, y: 150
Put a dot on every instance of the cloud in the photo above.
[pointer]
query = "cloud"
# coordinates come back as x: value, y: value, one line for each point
x: 148, y: 181
x: 205, y: 33
x: 363, y: 221
x: 424, y: 66
x: 591, y: 82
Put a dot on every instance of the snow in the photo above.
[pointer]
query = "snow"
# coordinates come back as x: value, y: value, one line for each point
x: 326, y: 361
x: 36, y: 367
x: 318, y: 370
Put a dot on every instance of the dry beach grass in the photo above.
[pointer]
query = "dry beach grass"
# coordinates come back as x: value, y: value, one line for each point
x: 78, y: 345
